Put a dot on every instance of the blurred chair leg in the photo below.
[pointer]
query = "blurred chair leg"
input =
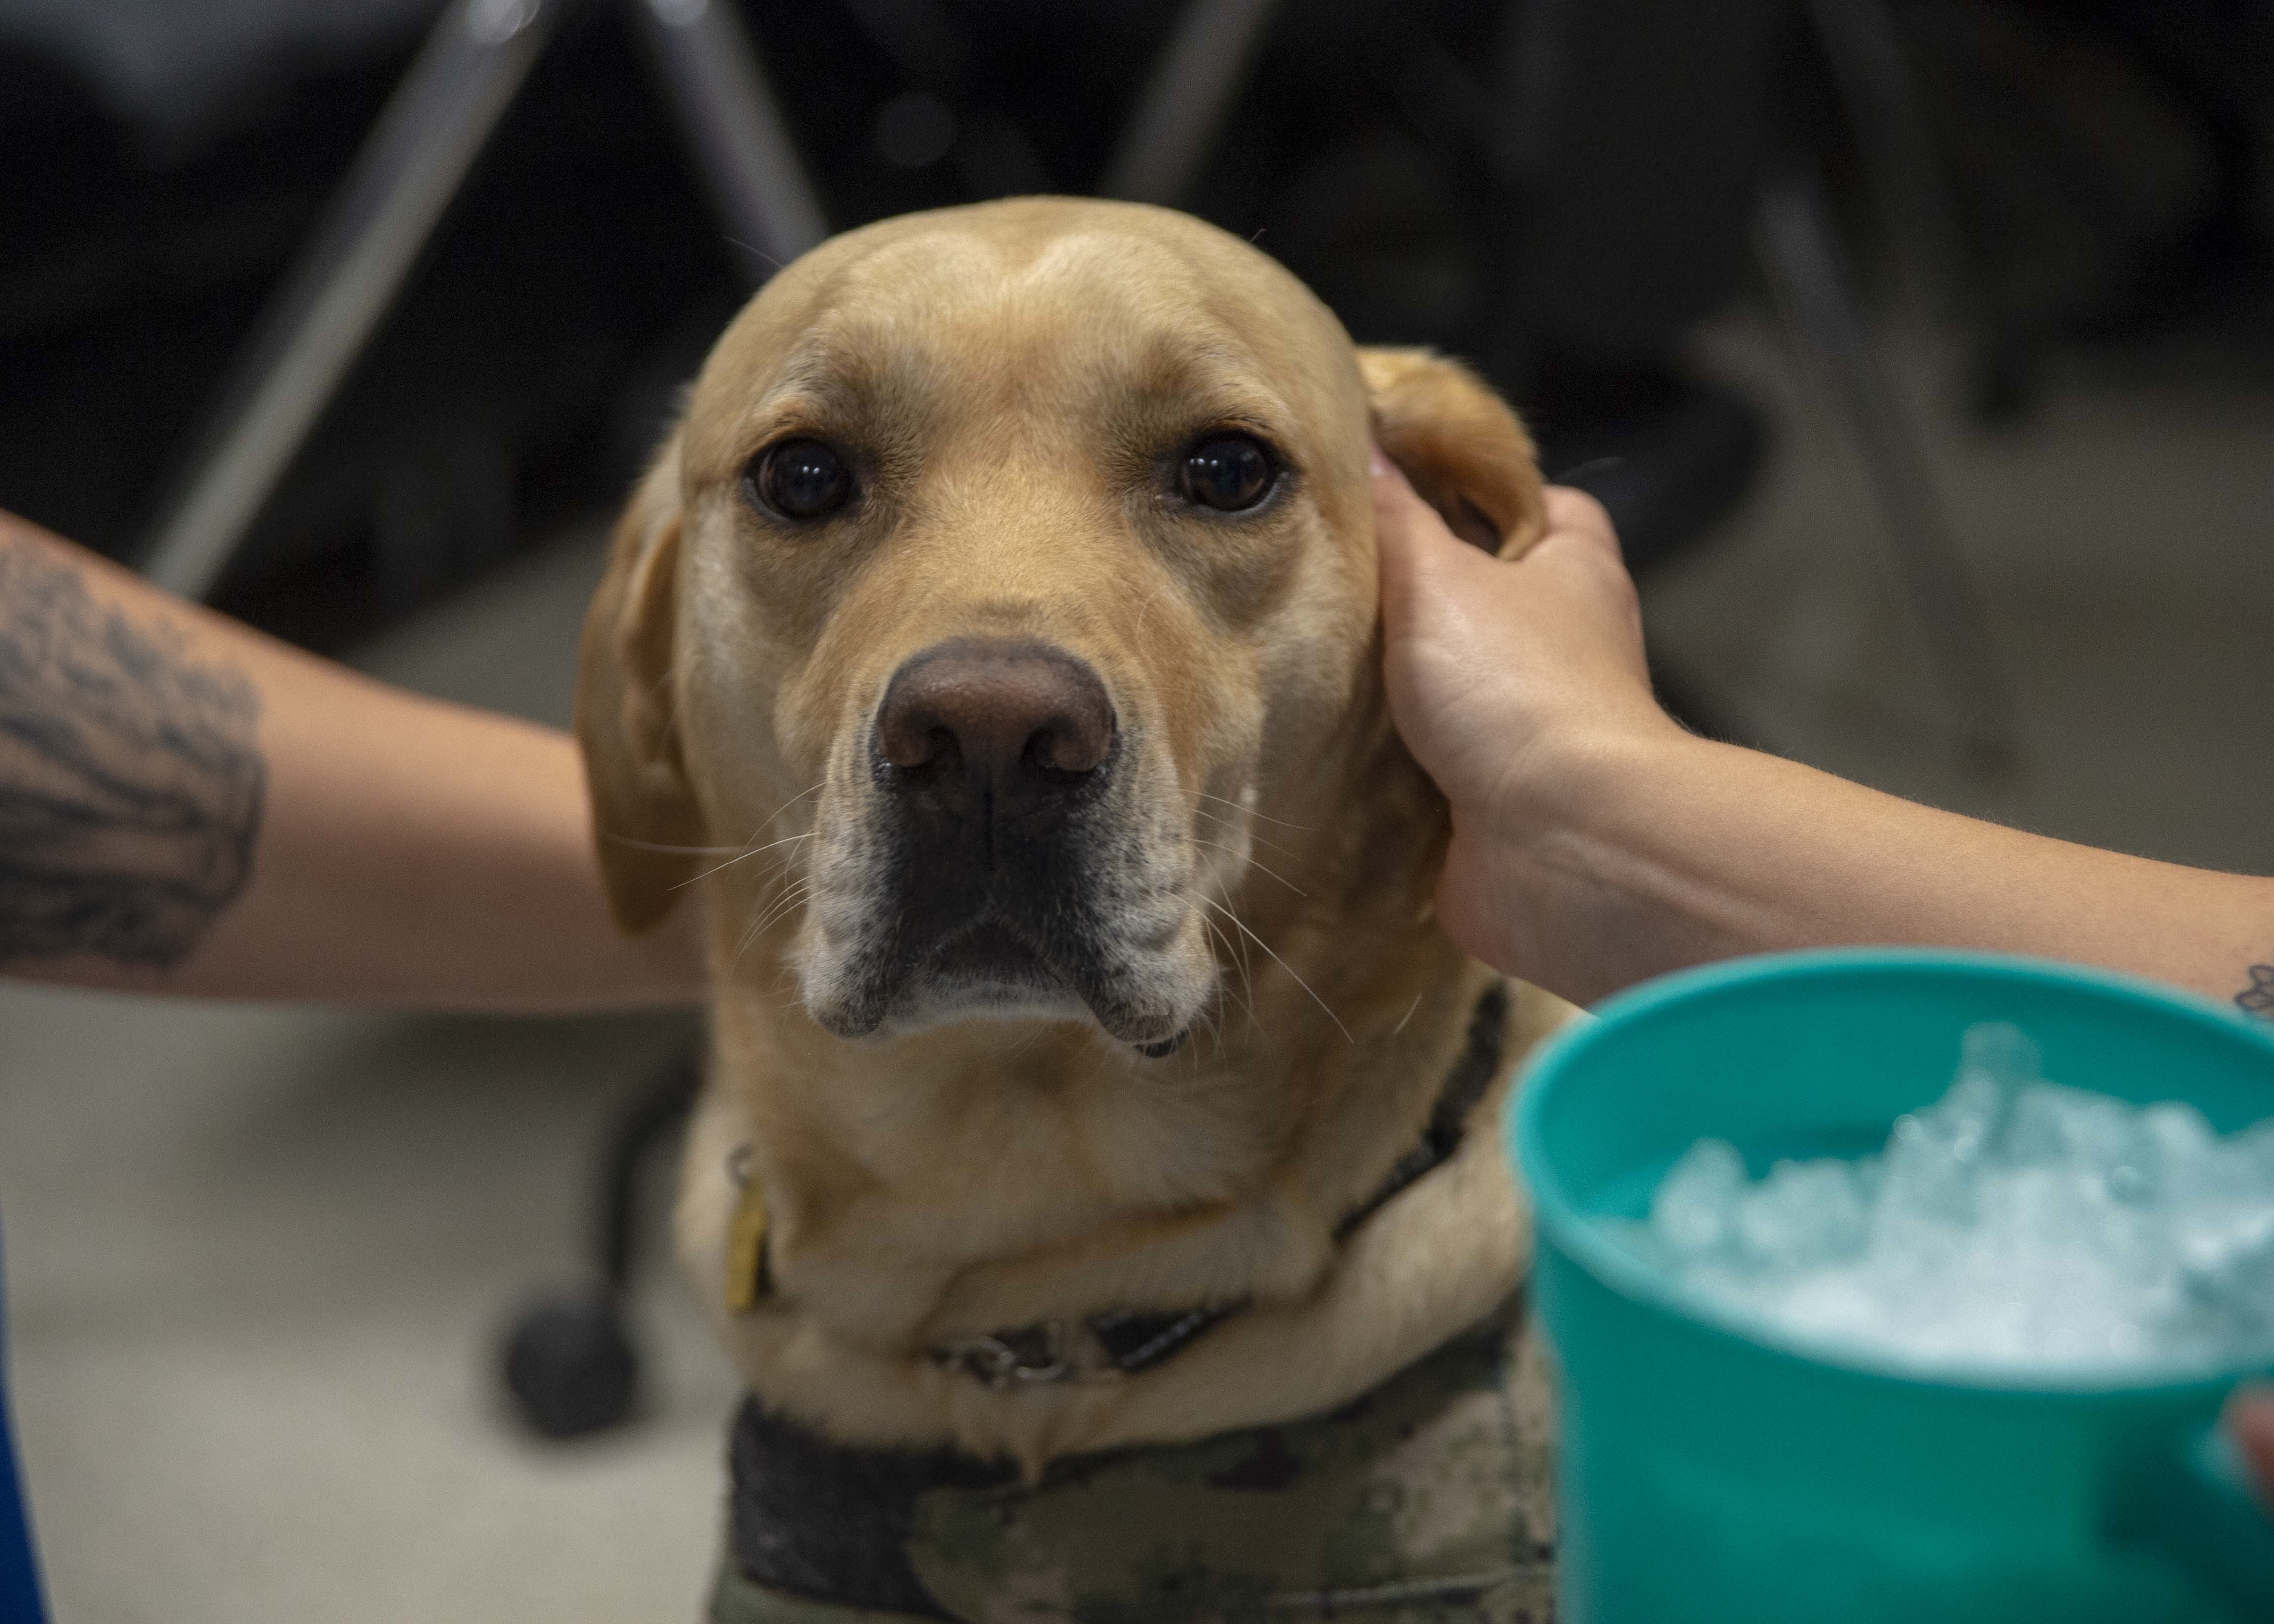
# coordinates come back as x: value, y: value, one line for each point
x: 1801, y: 252
x: 333, y: 299
x: 711, y: 75
x: 1866, y: 53
x: 1184, y: 102
x: 659, y: 1110
x: 569, y: 1362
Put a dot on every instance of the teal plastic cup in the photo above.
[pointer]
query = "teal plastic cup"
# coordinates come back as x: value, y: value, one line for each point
x: 1715, y: 1470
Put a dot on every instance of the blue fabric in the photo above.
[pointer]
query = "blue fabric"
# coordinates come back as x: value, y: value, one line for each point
x: 20, y: 1573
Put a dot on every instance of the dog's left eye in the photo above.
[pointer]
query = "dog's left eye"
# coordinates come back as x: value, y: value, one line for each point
x: 801, y: 479
x: 1228, y: 472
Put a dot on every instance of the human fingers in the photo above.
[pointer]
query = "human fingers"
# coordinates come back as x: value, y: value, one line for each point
x: 2250, y: 1422
x: 1572, y: 512
x: 1413, y: 536
x: 1572, y: 578
x: 1581, y: 545
x: 1416, y: 548
x: 1432, y: 577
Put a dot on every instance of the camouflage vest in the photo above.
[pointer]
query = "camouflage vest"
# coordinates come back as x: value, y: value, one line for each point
x: 1429, y: 1498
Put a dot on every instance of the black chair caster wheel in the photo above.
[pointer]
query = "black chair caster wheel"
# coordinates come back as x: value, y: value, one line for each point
x: 570, y: 1365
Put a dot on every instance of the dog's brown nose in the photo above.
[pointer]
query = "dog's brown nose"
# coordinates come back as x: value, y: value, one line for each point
x: 997, y: 727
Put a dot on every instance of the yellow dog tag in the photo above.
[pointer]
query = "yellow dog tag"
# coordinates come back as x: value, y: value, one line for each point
x: 746, y: 1237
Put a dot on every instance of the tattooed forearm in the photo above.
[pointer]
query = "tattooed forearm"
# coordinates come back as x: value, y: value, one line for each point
x: 2258, y: 997
x: 129, y: 779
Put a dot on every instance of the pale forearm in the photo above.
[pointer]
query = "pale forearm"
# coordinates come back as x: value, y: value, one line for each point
x: 421, y: 854
x: 1674, y: 852
x: 188, y: 807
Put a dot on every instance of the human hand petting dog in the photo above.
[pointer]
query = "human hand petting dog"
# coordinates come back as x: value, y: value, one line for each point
x: 1596, y: 844
x: 1504, y: 678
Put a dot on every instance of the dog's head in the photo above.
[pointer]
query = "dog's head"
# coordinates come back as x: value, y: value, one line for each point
x: 1009, y: 564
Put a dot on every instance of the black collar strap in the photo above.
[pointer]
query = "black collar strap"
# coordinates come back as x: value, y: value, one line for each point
x: 1131, y: 1341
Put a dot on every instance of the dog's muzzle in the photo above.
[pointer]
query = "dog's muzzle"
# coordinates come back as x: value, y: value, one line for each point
x: 993, y: 757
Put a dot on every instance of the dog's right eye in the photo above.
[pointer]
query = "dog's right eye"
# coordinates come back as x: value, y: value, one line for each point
x: 801, y: 479
x: 1231, y: 473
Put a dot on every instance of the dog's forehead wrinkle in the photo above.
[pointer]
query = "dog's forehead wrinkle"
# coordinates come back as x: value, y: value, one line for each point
x: 1060, y: 375
x: 1033, y: 258
x: 955, y: 265
x: 1100, y: 314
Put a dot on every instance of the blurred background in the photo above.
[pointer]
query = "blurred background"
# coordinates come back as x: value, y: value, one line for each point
x: 1924, y: 350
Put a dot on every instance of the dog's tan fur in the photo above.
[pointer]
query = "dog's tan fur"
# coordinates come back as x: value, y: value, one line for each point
x: 1014, y: 374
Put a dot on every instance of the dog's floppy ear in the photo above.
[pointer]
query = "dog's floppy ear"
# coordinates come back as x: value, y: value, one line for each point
x: 644, y: 815
x: 1460, y: 445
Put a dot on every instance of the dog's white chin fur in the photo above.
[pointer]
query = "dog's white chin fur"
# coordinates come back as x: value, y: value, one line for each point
x: 1169, y: 994
x: 923, y: 1005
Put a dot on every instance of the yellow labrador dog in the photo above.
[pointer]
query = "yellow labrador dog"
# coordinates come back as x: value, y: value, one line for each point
x: 1101, y: 1134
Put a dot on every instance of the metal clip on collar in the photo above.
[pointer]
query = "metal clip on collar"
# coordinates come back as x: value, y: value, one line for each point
x: 1030, y: 1356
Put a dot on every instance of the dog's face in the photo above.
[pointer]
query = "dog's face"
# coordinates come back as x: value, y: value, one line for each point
x: 1007, y: 561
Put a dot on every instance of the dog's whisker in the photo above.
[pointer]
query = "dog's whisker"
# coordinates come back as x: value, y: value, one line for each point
x: 765, y: 259
x: 1252, y: 863
x: 752, y: 852
x: 1234, y: 951
x: 1400, y: 1027
x: 778, y: 909
x: 734, y: 853
x: 811, y: 789
x: 1025, y: 1043
x: 1237, y: 954
x: 1218, y: 817
x: 779, y: 866
x: 749, y: 939
x: 773, y: 875
x: 1247, y: 981
x: 779, y: 874
x: 1247, y: 975
x: 1146, y: 608
x: 1283, y: 965
x: 1252, y: 812
x: 1223, y: 984
x: 786, y: 992
x: 789, y: 898
x: 614, y: 838
x: 770, y: 892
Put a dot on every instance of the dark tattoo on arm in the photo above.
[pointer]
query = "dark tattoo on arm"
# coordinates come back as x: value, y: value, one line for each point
x: 131, y: 783
x: 2258, y: 997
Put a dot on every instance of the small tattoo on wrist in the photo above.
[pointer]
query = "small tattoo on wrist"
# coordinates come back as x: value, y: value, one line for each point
x: 131, y: 784
x: 2258, y: 997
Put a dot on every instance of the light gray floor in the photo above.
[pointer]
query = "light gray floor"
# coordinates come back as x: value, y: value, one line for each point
x: 258, y: 1258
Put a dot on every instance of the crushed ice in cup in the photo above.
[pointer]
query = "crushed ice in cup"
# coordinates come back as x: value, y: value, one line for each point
x: 2015, y: 1221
